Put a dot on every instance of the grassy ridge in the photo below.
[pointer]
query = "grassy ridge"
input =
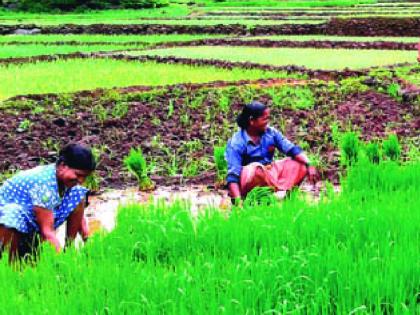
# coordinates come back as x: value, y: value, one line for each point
x: 332, y: 59
x: 86, y: 74
x: 352, y: 253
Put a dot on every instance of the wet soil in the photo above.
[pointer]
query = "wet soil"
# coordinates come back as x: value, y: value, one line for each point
x: 148, y: 124
x: 374, y: 26
x: 103, y: 208
x: 383, y: 45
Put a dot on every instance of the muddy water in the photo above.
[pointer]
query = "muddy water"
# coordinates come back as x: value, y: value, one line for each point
x: 102, y: 211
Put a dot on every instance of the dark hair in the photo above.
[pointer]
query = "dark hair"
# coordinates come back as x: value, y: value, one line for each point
x: 252, y: 110
x: 77, y: 156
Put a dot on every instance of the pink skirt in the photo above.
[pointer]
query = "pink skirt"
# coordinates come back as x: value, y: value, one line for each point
x: 280, y: 175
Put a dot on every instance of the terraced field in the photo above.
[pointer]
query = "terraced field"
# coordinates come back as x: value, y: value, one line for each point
x: 340, y: 79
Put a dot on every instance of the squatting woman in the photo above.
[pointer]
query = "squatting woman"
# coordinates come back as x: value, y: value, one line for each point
x: 250, y: 152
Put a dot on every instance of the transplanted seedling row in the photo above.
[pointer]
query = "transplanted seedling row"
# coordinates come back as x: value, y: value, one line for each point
x: 332, y: 59
x: 348, y: 253
x: 87, y: 74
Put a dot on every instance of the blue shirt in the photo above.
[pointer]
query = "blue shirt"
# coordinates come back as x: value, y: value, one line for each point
x: 241, y: 150
x: 36, y: 187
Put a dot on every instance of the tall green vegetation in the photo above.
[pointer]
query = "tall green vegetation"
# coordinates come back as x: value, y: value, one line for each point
x: 352, y: 148
x: 356, y: 252
x: 391, y: 148
x: 349, y: 147
x: 83, y: 74
x: 70, y: 5
x: 333, y: 59
x: 220, y: 161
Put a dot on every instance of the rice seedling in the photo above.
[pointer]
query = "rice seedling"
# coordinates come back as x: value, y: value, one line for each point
x: 394, y: 90
x: 333, y: 59
x: 353, y: 252
x: 137, y: 165
x: 373, y: 152
x: 220, y: 161
x: 17, y: 51
x: 292, y: 97
x: 84, y: 74
x: 302, y: 38
x: 107, y: 39
x: 391, y: 147
x: 93, y: 17
x: 290, y: 4
x: 349, y: 148
x: 352, y: 86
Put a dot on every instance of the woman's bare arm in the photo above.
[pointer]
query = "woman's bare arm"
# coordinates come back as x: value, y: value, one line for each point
x: 45, y: 220
x: 75, y: 222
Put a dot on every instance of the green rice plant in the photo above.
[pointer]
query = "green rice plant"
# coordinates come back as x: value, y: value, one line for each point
x: 333, y: 59
x: 137, y: 165
x: 170, y: 109
x: 260, y: 197
x: 394, y: 90
x: 100, y: 112
x: 93, y: 181
x: 352, y: 252
x: 352, y: 86
x: 413, y: 152
x: 335, y: 134
x: 316, y: 37
x: 171, y: 163
x: 92, y: 17
x: 195, y: 101
x: 391, y: 147
x: 220, y: 162
x: 373, y: 151
x: 120, y: 109
x: 220, y: 98
x: 84, y: 74
x: 349, y: 148
x: 292, y: 97
x: 24, y: 125
x: 133, y: 40
x: 32, y: 50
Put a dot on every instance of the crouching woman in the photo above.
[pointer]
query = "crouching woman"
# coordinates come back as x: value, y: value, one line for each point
x: 249, y: 154
x: 36, y: 202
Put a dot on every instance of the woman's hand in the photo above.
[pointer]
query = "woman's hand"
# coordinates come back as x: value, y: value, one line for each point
x: 76, y: 224
x: 45, y: 220
x: 84, y: 230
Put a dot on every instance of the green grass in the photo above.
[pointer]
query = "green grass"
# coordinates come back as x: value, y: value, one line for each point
x: 302, y: 38
x: 328, y: 59
x: 104, y: 16
x: 284, y: 4
x: 410, y: 74
x: 86, y: 74
x: 152, y: 39
x: 355, y: 253
x: 16, y: 51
